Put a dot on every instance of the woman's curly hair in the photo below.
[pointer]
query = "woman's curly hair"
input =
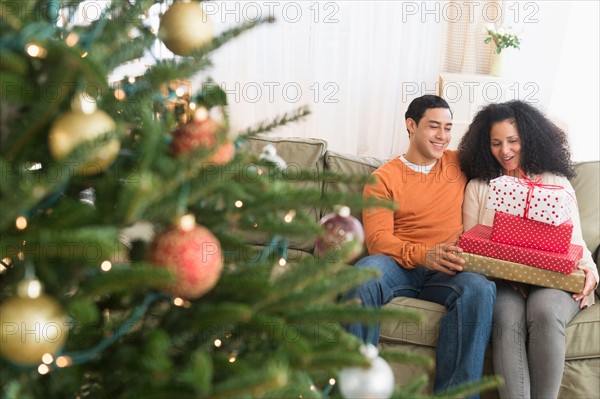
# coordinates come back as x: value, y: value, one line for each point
x: 544, y: 146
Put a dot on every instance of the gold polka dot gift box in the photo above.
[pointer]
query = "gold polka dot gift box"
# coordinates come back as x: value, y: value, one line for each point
x: 511, y: 271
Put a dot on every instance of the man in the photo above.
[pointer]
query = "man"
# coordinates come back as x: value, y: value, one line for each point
x: 414, y: 246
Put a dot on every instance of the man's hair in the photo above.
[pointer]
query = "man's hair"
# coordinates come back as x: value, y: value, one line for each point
x: 544, y: 146
x: 418, y: 106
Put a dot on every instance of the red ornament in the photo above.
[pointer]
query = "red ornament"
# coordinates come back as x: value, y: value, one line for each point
x: 203, y: 133
x: 343, y: 235
x: 193, y: 255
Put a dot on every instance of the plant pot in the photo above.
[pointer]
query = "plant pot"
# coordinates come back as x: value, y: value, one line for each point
x: 498, y: 67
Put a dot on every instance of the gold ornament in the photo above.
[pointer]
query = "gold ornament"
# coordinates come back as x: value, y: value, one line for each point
x: 84, y: 123
x: 185, y: 28
x: 32, y: 324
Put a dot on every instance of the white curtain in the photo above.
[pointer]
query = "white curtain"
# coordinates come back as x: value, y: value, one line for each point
x: 356, y: 64
x: 575, y: 99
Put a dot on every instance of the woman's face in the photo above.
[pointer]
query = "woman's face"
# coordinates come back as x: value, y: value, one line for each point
x: 505, y: 144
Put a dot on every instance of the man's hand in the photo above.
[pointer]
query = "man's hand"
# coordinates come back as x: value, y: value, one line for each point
x: 443, y: 258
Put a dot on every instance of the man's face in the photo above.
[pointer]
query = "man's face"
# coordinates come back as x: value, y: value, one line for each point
x: 430, y: 137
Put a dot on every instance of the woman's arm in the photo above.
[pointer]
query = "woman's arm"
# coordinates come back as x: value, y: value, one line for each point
x: 474, y: 204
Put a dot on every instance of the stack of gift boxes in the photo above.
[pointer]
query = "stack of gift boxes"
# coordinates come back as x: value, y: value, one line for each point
x: 530, y: 238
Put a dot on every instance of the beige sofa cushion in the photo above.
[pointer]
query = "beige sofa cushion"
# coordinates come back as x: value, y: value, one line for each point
x: 300, y: 154
x: 587, y: 190
x: 348, y: 165
x: 583, y: 332
x: 424, y: 332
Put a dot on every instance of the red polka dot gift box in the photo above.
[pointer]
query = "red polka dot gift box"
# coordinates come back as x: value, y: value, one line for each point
x: 530, y: 199
x: 477, y: 241
x: 515, y: 230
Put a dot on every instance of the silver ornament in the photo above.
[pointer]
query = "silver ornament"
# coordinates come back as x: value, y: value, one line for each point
x: 374, y: 382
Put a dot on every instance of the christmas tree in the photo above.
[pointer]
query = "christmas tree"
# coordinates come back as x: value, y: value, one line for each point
x: 126, y: 212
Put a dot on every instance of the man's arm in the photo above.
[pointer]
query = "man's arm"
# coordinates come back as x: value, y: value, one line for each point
x: 380, y: 239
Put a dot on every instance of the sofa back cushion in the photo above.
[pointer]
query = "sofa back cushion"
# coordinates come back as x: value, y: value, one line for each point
x: 587, y: 190
x: 348, y: 165
x: 300, y: 154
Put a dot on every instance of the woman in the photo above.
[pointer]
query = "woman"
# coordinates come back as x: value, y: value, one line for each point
x: 529, y: 321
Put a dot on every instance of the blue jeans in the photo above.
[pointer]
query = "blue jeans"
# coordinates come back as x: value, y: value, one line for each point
x: 464, y: 331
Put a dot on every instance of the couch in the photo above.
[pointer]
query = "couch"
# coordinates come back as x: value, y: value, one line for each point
x: 581, y: 377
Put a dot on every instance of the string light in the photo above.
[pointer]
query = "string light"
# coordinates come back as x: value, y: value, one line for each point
x: 47, y: 358
x: 313, y: 388
x: 120, y: 94
x: 72, y: 39
x: 36, y: 51
x: 238, y: 204
x: 201, y: 114
x: 63, y: 361
x: 232, y: 359
x: 43, y: 369
x: 282, y: 262
x: 131, y: 80
x: 181, y: 302
x: 289, y: 216
x: 5, y: 262
x: 218, y: 343
x: 178, y: 301
x: 85, y: 54
x: 187, y: 222
x: 332, y: 381
x: 106, y: 266
x: 21, y: 223
x: 34, y: 289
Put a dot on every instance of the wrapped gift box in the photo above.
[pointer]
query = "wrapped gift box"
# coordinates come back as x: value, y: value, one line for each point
x: 522, y: 273
x: 531, y: 200
x: 477, y: 241
x: 515, y: 230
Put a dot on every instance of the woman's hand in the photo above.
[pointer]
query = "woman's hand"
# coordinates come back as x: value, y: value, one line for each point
x: 443, y: 258
x: 588, y: 287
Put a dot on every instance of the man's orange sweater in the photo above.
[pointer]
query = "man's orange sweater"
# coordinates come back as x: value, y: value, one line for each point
x: 428, y: 209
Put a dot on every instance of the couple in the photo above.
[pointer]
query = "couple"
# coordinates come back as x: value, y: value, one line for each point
x: 414, y: 246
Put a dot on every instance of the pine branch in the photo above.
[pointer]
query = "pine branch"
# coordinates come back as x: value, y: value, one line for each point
x: 470, y: 388
x: 42, y: 112
x: 406, y: 357
x: 13, y: 62
x: 348, y: 313
x: 126, y: 279
x: 38, y: 116
x: 198, y: 373
x: 413, y: 389
x: 253, y: 384
x: 337, y: 359
x: 321, y: 291
x: 223, y: 313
